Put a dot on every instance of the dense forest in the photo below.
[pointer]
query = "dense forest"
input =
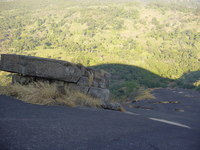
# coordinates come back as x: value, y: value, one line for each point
x: 144, y: 44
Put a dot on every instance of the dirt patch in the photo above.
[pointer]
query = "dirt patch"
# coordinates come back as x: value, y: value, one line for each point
x: 179, y: 110
x: 140, y: 107
x: 167, y: 102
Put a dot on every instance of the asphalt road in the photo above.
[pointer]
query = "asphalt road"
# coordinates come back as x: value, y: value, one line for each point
x: 148, y: 125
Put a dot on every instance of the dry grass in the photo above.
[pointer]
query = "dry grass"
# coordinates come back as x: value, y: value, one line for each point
x: 48, y: 94
x: 91, y: 78
x: 144, y: 94
x: 5, y: 78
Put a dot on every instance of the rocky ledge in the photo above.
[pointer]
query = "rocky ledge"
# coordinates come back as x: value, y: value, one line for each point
x: 31, y: 69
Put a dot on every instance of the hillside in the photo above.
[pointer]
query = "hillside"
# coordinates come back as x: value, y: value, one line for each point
x: 159, y: 40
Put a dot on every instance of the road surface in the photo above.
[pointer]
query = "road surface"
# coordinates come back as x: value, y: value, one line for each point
x: 170, y: 122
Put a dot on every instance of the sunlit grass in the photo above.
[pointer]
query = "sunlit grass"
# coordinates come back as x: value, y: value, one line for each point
x: 48, y: 94
x: 5, y: 78
x: 144, y: 94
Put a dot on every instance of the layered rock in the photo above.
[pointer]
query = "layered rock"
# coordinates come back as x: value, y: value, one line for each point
x: 30, y: 69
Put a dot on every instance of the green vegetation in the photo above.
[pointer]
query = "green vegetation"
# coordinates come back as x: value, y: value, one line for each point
x: 161, y: 37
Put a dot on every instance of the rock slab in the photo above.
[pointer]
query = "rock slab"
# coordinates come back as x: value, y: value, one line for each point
x: 54, y: 69
x: 40, y: 67
x: 32, y: 69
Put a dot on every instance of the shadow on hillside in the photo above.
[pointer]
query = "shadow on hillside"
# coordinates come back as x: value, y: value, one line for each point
x: 127, y: 79
x: 188, y: 79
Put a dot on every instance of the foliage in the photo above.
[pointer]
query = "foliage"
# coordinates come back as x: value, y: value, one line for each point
x: 160, y: 37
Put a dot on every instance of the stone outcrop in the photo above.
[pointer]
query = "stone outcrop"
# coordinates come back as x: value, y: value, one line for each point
x: 113, y: 106
x: 30, y: 69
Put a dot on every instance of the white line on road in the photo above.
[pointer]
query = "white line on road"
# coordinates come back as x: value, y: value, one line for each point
x: 130, y: 113
x: 171, y: 122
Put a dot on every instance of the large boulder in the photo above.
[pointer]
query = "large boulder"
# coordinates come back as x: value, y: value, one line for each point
x: 77, y: 77
x: 54, y: 69
x: 99, y: 93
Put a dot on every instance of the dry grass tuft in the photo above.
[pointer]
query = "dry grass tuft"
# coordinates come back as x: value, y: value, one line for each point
x: 144, y: 94
x: 91, y: 78
x: 48, y: 94
x: 5, y: 78
x: 122, y: 109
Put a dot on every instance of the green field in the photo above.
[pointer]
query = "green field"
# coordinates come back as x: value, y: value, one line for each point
x: 143, y: 44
